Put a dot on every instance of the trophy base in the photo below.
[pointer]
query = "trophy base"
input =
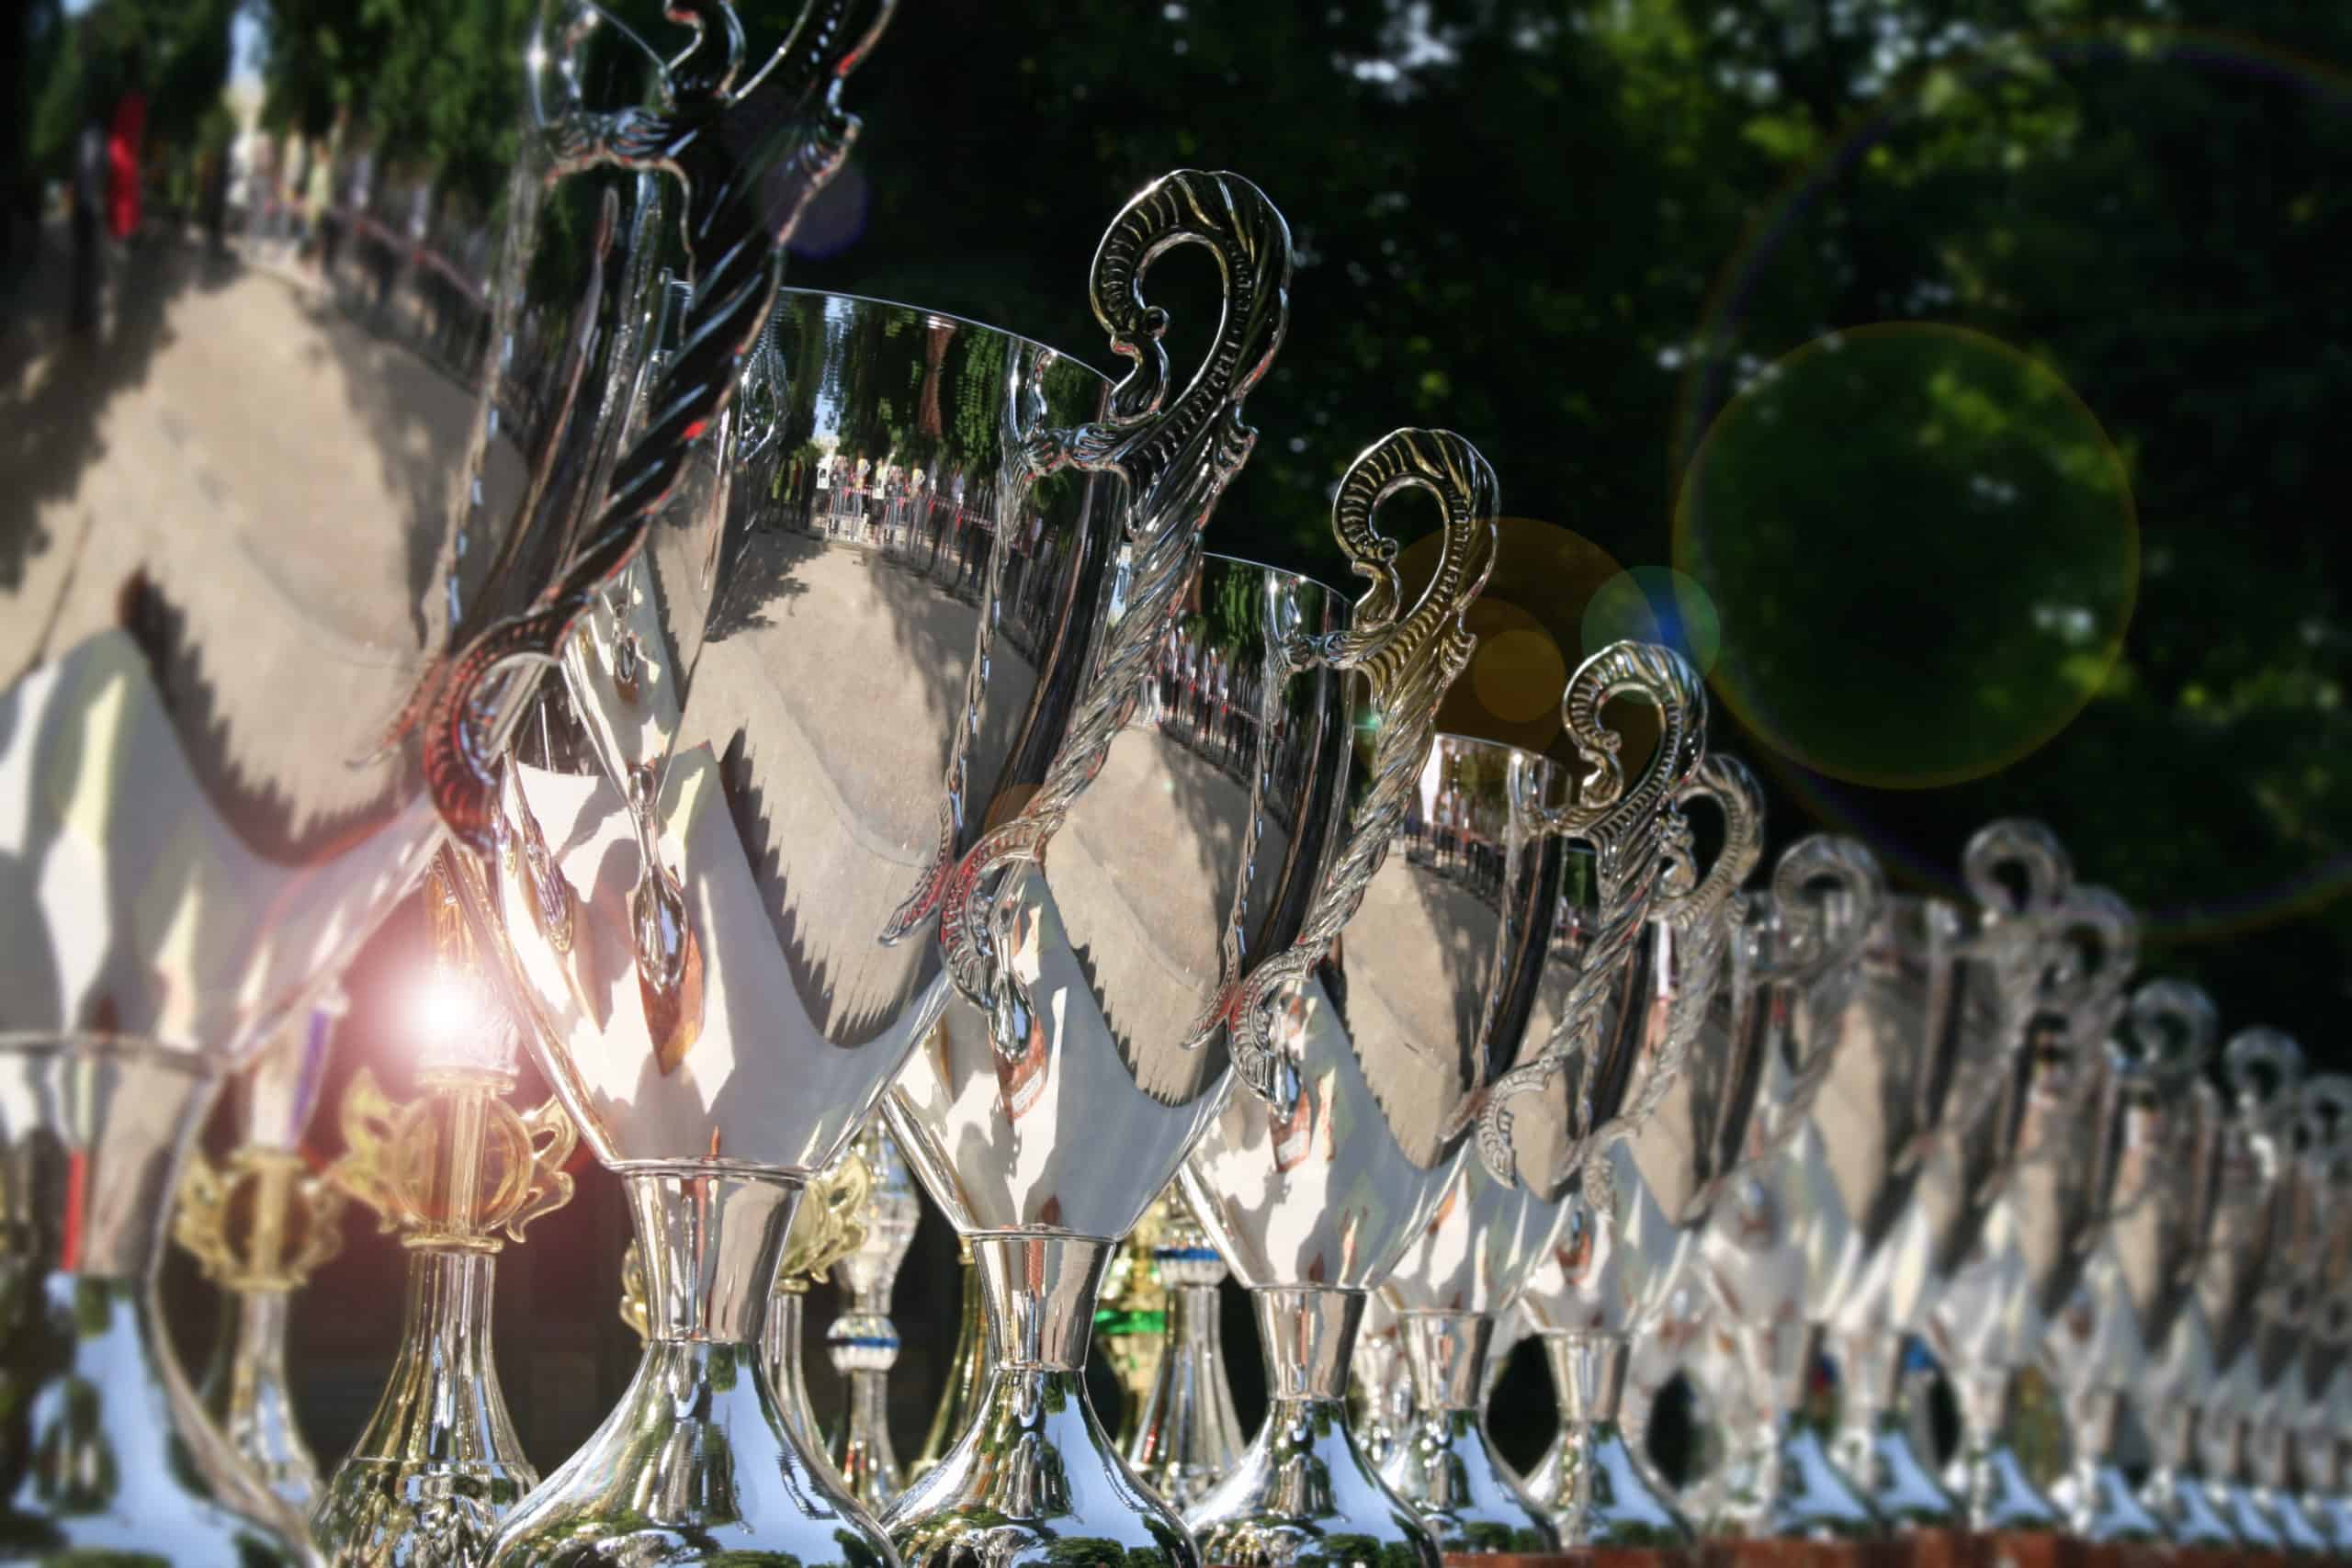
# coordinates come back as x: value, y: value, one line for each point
x: 1602, y: 1496
x: 1035, y: 1480
x: 694, y: 1466
x: 381, y: 1512
x: 2333, y: 1517
x: 1304, y: 1496
x: 2030, y: 1549
x: 2101, y: 1508
x: 108, y: 1458
x: 2002, y: 1499
x: 1898, y: 1484
x: 2295, y: 1528
x: 1793, y: 1490
x: 2183, y: 1507
x: 1448, y: 1470
x: 2248, y: 1525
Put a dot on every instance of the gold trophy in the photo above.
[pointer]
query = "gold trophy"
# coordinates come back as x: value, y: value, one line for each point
x: 1130, y: 1317
x: 458, y: 1172
x: 967, y: 1370
x: 258, y: 1224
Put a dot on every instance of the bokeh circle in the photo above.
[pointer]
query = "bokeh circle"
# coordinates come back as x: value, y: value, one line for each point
x: 1922, y: 550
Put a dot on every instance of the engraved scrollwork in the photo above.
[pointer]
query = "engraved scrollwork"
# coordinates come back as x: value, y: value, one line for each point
x: 370, y: 1122
x: 545, y: 1137
x: 2169, y: 1030
x: 2096, y: 936
x: 750, y: 158
x: 2262, y: 1068
x: 1623, y: 826
x: 1177, y: 462
x: 279, y: 1188
x: 1827, y: 895
x: 1410, y: 659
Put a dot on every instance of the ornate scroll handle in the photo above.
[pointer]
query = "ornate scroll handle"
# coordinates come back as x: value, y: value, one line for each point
x: 2262, y: 1068
x: 1625, y: 828
x: 2087, y: 997
x: 2323, y: 1115
x: 1177, y: 462
x: 1698, y: 909
x: 750, y: 158
x: 1826, y: 896
x: 2169, y: 1030
x: 2009, y: 943
x: 548, y: 1136
x: 1410, y: 659
x: 2026, y: 848
x: 281, y: 1186
x: 395, y: 1154
x: 370, y: 1120
x: 828, y: 1226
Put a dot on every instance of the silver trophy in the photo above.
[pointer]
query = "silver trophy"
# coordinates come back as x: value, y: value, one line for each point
x: 1185, y: 898
x: 2100, y: 1350
x: 2315, y: 1420
x: 1187, y: 1436
x: 1578, y: 977
x: 1379, y: 1383
x: 864, y: 718
x: 1815, y: 1239
x: 1313, y: 1175
x: 2034, y: 1181
x: 862, y: 1344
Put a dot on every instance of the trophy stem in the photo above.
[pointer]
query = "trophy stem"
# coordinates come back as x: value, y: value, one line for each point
x: 1302, y: 1495
x: 2275, y: 1491
x: 780, y: 1345
x: 2000, y: 1493
x: 113, y: 1456
x: 245, y: 1390
x: 2098, y: 1501
x: 1190, y: 1435
x: 967, y: 1375
x: 1446, y: 1466
x: 1381, y: 1397
x: 867, y: 1463
x: 1597, y: 1488
x: 1874, y: 1445
x: 697, y: 1454
x: 1782, y: 1484
x: 440, y: 1454
x: 2232, y: 1498
x: 2175, y: 1495
x: 1036, y: 1475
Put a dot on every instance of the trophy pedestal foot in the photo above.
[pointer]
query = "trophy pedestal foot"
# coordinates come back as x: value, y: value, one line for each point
x: 1304, y: 1496
x: 2247, y: 1523
x: 1601, y: 1495
x: 439, y: 1466
x: 696, y: 1464
x: 113, y: 1461
x: 2285, y: 1511
x: 2101, y: 1508
x: 1035, y: 1479
x: 246, y: 1391
x: 2002, y: 1499
x: 1791, y: 1490
x: 1446, y: 1467
x: 2183, y: 1507
x: 1900, y: 1487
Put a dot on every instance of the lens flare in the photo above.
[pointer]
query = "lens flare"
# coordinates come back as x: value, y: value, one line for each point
x: 1922, y: 549
x: 1655, y: 604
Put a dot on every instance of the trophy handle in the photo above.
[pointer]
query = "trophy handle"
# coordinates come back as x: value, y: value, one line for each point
x: 1625, y: 828
x: 546, y: 1136
x: 1409, y: 661
x: 750, y: 160
x: 1827, y: 895
x: 2087, y: 995
x: 2324, y: 1113
x: 370, y: 1122
x: 1176, y: 461
x: 2261, y: 1067
x: 2015, y: 847
x: 2171, y: 1029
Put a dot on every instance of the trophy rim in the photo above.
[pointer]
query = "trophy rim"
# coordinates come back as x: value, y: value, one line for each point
x: 950, y: 316
x: 1229, y: 559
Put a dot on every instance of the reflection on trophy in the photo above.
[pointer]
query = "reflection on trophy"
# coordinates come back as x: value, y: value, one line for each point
x: 1380, y: 1386
x: 1187, y: 1435
x: 1905, y: 1041
x: 258, y: 1225
x: 2101, y: 1349
x: 968, y: 1369
x: 2312, y: 1419
x: 1570, y: 971
x: 862, y: 1343
x: 2262, y: 1070
x: 438, y: 1464
x: 1610, y: 1275
x: 729, y: 957
x: 827, y: 1226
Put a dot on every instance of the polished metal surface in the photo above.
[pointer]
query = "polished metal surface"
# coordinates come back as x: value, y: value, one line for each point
x: 1599, y: 1490
x: 1589, y: 1074
x: 2199, y: 1385
x: 695, y: 1461
x: 1379, y: 1383
x: 115, y: 1458
x: 967, y: 1371
x: 438, y: 1465
x: 863, y: 1343
x: 1303, y: 1495
x: 1188, y: 1437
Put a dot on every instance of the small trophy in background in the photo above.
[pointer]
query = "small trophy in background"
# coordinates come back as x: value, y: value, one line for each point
x: 258, y: 1224
x: 458, y: 1172
x: 1130, y: 1318
x: 862, y: 1342
x: 967, y: 1370
x: 1189, y: 1436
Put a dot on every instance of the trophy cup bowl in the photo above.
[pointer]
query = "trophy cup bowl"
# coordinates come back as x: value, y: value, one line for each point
x: 2326, y: 1368
x: 1392, y: 1035
x: 2186, y: 1390
x: 2100, y: 1350
x: 718, y: 877
x: 2032, y: 1186
x: 1592, y: 1066
x: 1189, y: 895
x: 1739, y: 988
x: 1907, y: 1040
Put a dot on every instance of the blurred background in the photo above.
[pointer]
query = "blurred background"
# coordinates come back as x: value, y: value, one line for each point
x: 1953, y: 381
